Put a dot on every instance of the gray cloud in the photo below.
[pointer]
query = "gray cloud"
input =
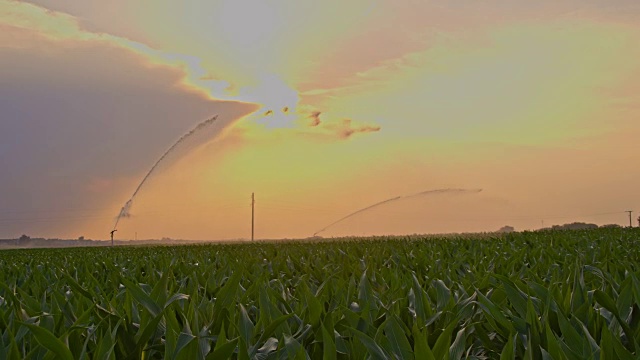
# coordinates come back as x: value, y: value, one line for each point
x: 81, y: 112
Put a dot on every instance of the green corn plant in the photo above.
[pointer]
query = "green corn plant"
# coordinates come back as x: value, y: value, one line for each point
x: 532, y: 295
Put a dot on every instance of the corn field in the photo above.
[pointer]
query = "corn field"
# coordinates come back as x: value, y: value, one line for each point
x: 537, y: 295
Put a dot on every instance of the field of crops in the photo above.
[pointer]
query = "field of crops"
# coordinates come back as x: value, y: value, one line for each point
x: 547, y: 295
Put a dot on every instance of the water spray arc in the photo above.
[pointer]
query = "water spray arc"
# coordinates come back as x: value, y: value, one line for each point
x: 125, y: 211
x: 385, y: 202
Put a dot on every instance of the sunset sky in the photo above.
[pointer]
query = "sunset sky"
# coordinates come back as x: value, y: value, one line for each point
x: 324, y: 108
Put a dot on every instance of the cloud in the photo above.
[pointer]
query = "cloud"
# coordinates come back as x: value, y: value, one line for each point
x: 342, y: 129
x: 41, y: 23
x: 315, y: 118
x: 305, y: 121
x: 346, y: 129
x: 82, y: 117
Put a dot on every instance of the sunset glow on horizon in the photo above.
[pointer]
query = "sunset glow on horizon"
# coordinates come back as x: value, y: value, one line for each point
x: 324, y: 108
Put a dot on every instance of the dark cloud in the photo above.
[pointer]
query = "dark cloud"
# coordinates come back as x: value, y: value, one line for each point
x: 342, y: 129
x: 315, y: 118
x: 73, y: 116
x: 346, y: 129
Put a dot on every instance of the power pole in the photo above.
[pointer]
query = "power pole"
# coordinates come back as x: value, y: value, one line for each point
x: 630, y: 211
x: 253, y: 208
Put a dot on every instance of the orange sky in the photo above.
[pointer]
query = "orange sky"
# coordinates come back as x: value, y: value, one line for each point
x: 325, y: 108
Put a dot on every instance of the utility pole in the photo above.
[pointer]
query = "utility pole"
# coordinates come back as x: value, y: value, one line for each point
x: 253, y: 208
x: 630, y: 211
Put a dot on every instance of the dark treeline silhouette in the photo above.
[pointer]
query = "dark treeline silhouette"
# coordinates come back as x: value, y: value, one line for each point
x: 581, y: 226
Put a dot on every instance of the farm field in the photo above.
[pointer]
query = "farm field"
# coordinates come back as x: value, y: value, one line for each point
x: 535, y: 295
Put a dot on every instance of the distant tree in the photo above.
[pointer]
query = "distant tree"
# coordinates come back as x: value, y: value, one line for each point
x: 638, y: 221
x: 611, y: 226
x: 507, y: 229
x: 22, y: 239
x: 575, y: 226
x: 81, y: 238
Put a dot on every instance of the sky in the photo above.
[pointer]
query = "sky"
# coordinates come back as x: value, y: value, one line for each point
x: 323, y: 108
